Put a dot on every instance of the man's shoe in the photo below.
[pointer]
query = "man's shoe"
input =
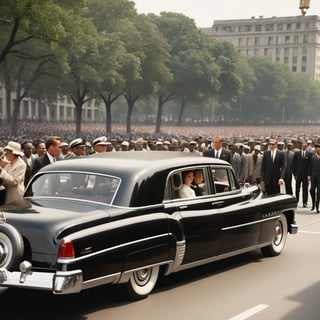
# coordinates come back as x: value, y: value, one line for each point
x: 312, y: 207
x: 304, y: 205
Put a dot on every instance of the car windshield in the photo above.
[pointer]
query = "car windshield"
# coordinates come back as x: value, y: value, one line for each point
x: 82, y: 186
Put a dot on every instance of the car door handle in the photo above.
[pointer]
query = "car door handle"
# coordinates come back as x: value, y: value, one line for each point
x: 217, y: 204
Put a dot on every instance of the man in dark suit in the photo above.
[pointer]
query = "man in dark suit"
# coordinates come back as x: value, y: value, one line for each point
x: 218, y: 151
x: 314, y: 176
x: 28, y: 158
x: 300, y: 168
x: 272, y: 168
x: 53, y: 146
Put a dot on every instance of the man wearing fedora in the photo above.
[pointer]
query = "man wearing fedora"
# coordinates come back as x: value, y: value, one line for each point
x: 53, y: 146
x: 12, y: 172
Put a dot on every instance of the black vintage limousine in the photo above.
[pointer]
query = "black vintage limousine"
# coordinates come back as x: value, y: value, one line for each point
x: 117, y: 218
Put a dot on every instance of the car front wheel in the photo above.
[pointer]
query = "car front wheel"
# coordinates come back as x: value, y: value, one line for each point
x: 279, y: 238
x: 142, y: 282
x: 11, y: 247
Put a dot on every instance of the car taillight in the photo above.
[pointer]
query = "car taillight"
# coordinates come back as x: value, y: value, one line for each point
x: 66, y: 249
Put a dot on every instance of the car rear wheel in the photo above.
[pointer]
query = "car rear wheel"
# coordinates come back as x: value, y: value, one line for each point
x: 11, y: 247
x: 142, y: 282
x: 279, y: 238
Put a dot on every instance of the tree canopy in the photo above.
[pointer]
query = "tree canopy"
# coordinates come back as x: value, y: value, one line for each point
x: 159, y: 65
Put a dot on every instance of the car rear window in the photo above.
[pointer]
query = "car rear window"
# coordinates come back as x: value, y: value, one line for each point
x: 85, y: 186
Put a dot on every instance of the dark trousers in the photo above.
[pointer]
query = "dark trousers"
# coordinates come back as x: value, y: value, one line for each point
x: 304, y: 181
x: 288, y: 183
x: 315, y: 192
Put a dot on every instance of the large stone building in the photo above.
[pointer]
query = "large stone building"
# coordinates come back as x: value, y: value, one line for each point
x: 61, y: 110
x: 294, y: 41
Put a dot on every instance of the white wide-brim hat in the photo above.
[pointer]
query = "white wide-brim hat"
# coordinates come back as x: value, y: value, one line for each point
x: 15, y: 147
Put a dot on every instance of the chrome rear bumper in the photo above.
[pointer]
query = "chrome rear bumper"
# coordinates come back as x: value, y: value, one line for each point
x: 60, y: 282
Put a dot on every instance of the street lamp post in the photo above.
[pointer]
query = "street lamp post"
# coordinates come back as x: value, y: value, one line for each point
x: 304, y: 6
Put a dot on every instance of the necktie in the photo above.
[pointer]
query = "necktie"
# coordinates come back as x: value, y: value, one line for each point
x: 255, y: 157
x: 303, y: 154
x: 272, y: 155
x: 217, y: 154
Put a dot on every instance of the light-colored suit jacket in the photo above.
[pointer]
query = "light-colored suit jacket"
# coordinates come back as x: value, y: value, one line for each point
x: 254, y: 170
x: 13, y: 179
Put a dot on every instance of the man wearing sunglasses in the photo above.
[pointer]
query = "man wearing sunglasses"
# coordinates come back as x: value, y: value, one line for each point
x: 272, y: 169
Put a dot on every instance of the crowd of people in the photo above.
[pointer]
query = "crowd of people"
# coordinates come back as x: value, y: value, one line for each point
x: 273, y: 162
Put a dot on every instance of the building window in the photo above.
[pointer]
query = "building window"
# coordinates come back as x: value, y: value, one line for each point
x: 278, y: 51
x: 61, y: 112
x: 288, y: 26
x: 296, y: 39
x: 286, y: 60
x: 303, y: 69
x: 247, y: 28
x: 298, y: 26
x: 248, y: 41
x: 305, y: 38
x: 26, y: 108
x: 256, y: 41
x: 304, y: 59
x: 269, y: 27
x: 258, y: 27
x: 227, y: 29
x: 270, y: 40
x: 33, y: 108
x: 286, y: 51
x: 294, y: 69
x: 280, y: 27
x: 287, y: 39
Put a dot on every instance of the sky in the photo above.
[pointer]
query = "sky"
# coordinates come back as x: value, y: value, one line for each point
x: 204, y: 12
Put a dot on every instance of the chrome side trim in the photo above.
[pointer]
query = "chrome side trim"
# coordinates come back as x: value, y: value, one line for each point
x: 111, y: 278
x: 73, y: 260
x: 180, y: 252
x: 220, y: 257
x: 250, y: 223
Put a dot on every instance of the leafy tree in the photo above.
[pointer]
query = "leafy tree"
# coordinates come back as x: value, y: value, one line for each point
x: 114, y: 20
x: 192, y: 65
x: 24, y: 20
x: 151, y: 48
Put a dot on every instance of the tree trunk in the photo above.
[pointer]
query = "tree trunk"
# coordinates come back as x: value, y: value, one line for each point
x: 78, y: 117
x: 129, y: 114
x: 182, y: 108
x: 108, y: 100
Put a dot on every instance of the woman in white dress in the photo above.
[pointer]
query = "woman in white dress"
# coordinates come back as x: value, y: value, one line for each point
x: 186, y: 191
x: 12, y: 172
